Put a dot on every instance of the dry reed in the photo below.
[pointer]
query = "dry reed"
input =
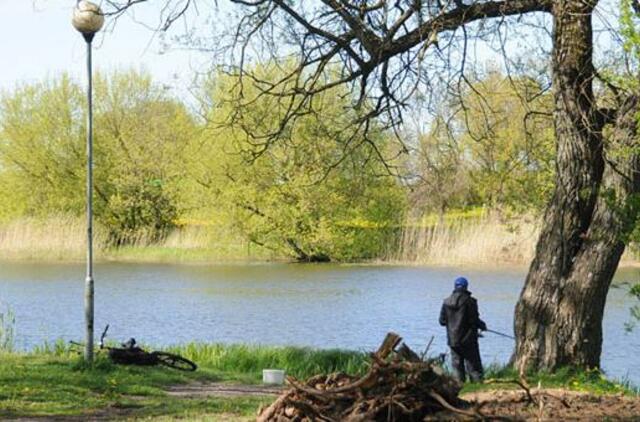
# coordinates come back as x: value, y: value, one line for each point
x: 58, y: 237
x: 477, y: 241
x: 63, y: 238
x: 484, y: 240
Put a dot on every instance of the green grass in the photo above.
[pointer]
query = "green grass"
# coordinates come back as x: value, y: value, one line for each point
x: 163, y: 254
x: 54, y: 381
x: 592, y: 381
x: 45, y: 384
x: 247, y: 362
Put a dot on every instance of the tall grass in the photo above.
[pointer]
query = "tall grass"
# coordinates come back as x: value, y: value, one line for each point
x: 479, y: 240
x: 475, y: 238
x: 58, y: 237
x: 250, y: 360
x: 63, y: 238
x: 469, y: 238
x: 7, y: 329
x: 240, y: 361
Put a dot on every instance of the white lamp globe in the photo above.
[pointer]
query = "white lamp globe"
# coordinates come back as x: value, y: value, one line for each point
x: 87, y: 17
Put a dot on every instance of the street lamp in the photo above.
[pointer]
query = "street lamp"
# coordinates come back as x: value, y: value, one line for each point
x: 88, y: 19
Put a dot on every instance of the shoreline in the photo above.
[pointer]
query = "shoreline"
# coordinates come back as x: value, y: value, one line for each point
x: 119, y: 258
x: 482, y: 242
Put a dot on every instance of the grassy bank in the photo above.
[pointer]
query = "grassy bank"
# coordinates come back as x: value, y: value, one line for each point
x: 53, y: 381
x: 247, y: 362
x: 46, y: 385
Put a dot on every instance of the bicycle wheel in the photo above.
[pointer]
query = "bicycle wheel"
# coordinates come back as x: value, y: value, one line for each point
x: 174, y: 361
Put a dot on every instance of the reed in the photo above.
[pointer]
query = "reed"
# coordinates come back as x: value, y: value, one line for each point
x: 7, y: 329
x: 56, y: 238
x: 478, y: 240
x: 63, y: 238
x: 459, y: 238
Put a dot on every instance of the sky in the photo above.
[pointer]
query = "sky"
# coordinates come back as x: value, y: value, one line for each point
x: 37, y: 41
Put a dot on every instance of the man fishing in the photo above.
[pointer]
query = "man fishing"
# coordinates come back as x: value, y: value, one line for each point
x: 460, y: 315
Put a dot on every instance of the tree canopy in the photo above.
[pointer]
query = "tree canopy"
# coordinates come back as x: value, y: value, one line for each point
x: 140, y: 133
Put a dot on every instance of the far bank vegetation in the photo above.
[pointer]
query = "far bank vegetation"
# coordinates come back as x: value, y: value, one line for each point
x: 181, y: 183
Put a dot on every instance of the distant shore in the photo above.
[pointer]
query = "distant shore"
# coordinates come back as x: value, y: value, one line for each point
x: 480, y: 242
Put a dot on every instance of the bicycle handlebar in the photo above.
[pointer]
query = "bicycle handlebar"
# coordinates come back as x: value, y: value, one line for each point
x: 104, y: 334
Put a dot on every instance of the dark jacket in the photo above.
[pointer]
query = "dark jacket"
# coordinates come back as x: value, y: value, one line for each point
x: 460, y: 315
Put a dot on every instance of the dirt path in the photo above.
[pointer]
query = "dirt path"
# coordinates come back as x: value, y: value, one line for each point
x: 556, y: 404
x: 218, y: 389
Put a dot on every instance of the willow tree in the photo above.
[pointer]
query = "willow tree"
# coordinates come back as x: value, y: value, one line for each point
x: 387, y: 52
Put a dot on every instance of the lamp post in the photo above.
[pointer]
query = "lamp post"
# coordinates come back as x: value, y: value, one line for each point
x: 88, y: 19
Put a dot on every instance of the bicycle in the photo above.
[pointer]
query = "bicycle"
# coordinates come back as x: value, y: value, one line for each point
x: 130, y: 354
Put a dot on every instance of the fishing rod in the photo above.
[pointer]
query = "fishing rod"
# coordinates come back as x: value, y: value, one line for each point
x: 500, y: 334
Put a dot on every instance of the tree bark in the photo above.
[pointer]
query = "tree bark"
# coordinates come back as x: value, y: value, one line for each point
x: 302, y: 256
x: 581, y: 310
x: 560, y: 311
x: 544, y: 302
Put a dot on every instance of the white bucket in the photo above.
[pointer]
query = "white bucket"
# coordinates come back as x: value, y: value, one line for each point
x: 273, y: 376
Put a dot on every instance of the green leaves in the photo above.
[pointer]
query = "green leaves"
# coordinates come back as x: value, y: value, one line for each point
x: 140, y: 133
x: 510, y: 142
x: 629, y: 28
x: 41, y: 147
x: 301, y: 195
x: 492, y: 146
x: 634, y: 311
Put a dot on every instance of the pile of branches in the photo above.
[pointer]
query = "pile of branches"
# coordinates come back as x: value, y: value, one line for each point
x: 399, y: 385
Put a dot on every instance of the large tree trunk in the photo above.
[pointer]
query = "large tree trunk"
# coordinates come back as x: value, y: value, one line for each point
x: 559, y: 314
x: 579, y: 316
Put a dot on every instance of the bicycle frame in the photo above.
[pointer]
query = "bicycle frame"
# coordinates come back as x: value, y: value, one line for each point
x: 136, y: 356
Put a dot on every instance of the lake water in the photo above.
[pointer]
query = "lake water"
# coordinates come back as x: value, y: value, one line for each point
x: 344, y: 306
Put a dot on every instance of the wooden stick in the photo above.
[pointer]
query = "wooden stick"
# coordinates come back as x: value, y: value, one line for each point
x: 527, y: 390
x: 452, y: 408
x: 426, y: 350
x: 270, y: 411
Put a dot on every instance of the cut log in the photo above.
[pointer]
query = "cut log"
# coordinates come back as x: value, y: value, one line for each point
x: 388, y: 345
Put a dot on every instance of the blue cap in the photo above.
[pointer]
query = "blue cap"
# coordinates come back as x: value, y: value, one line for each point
x: 461, y: 282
